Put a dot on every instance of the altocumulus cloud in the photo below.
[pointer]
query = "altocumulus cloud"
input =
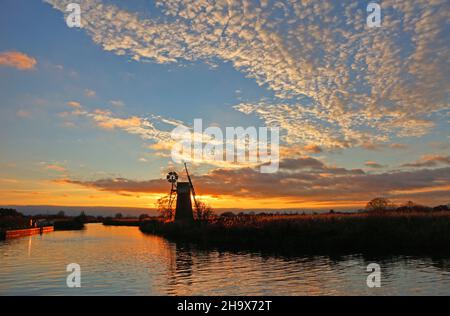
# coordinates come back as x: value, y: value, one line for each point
x: 336, y: 82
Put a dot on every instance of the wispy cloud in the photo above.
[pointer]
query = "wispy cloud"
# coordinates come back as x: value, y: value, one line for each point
x: 429, y: 161
x: 54, y: 167
x: 74, y: 104
x: 156, y: 131
x: 23, y: 114
x: 117, y: 103
x: 373, y: 165
x: 105, y: 119
x: 90, y: 93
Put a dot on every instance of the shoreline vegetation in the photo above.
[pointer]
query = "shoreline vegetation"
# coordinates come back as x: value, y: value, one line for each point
x: 12, y: 220
x: 317, y: 234
x: 382, y: 228
x: 122, y: 222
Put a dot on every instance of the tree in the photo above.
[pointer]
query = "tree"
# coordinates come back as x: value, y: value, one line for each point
x: 61, y: 214
x: 379, y: 204
x: 410, y: 204
x: 118, y: 216
x: 164, y: 210
x: 143, y: 216
x: 228, y: 214
x: 82, y: 217
x: 9, y: 212
x: 203, y: 212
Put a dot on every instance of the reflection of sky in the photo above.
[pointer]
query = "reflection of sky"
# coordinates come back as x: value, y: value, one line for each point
x: 358, y: 95
x: 124, y: 261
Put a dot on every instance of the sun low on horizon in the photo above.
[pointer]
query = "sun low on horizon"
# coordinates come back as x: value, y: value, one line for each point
x: 87, y: 112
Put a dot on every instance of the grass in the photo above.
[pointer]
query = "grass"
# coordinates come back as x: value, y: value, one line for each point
x: 383, y: 233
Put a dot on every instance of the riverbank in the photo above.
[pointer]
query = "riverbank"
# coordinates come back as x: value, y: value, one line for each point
x: 321, y: 234
x: 122, y: 222
x: 15, y: 233
x: 69, y: 225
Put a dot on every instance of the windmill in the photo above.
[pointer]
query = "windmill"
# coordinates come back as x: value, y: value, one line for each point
x: 172, y: 177
x: 192, y: 187
x: 182, y: 191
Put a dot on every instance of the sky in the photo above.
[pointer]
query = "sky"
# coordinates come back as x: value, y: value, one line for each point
x: 86, y: 113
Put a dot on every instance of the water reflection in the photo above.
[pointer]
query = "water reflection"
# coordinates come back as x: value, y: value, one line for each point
x: 29, y: 245
x: 123, y: 261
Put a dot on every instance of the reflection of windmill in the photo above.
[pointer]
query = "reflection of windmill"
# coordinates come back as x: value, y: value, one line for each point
x: 182, y: 191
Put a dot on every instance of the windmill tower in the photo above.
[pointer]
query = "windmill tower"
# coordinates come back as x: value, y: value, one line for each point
x: 183, y: 191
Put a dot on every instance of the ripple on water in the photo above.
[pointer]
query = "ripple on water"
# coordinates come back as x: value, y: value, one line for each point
x: 123, y: 261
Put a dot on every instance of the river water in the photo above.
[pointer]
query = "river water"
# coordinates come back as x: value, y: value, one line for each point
x: 124, y: 261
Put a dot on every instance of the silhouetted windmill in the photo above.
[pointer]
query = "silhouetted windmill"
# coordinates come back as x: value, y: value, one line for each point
x: 192, y: 186
x: 172, y: 177
x: 182, y: 190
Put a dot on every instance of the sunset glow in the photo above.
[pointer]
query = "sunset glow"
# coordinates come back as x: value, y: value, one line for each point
x: 87, y: 113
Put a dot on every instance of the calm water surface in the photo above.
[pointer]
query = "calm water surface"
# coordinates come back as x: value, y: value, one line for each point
x: 123, y: 261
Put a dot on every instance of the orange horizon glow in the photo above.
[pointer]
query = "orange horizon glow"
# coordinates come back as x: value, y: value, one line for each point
x: 85, y: 197
x: 56, y: 193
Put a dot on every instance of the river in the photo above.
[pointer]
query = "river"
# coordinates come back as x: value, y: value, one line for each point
x: 124, y: 261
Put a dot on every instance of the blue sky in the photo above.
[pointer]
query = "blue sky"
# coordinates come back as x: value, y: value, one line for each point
x: 348, y: 97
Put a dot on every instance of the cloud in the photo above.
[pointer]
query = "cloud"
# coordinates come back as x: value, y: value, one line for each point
x: 439, y: 145
x: 311, y: 148
x: 373, y: 164
x: 23, y: 114
x: 135, y: 125
x: 398, y: 146
x: 301, y: 163
x: 55, y: 167
x: 158, y: 131
x: 105, y: 121
x: 122, y: 185
x: 429, y: 161
x: 336, y: 82
x: 17, y: 60
x: 304, y: 180
x: 59, y: 67
x: 143, y: 127
x: 74, y: 104
x: 117, y: 103
x: 90, y: 93
x: 9, y: 181
x: 372, y: 146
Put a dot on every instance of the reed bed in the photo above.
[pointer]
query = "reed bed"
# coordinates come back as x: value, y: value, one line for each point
x: 122, y: 222
x: 325, y: 233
